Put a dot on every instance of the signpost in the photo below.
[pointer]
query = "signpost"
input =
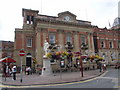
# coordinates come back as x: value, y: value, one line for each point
x: 21, y: 53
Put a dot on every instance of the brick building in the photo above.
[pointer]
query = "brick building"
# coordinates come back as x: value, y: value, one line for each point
x: 65, y: 31
x: 106, y: 42
x: 6, y: 49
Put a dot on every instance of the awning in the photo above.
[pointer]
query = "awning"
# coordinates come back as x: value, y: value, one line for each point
x: 7, y: 60
x: 85, y: 56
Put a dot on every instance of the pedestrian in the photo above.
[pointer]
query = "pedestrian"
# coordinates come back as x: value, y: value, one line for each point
x: 28, y: 70
x: 100, y: 66
x: 14, y: 70
x: 104, y: 66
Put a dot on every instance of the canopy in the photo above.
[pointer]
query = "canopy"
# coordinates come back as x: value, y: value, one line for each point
x: 84, y: 56
x: 7, y: 60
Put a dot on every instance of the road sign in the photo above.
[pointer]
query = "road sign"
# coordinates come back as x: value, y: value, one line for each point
x: 22, y: 53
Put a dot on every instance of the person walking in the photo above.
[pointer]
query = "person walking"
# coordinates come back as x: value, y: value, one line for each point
x: 14, y: 70
x: 100, y: 66
x: 28, y: 70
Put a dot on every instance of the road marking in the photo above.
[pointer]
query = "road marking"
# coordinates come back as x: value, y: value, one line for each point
x: 53, y: 84
x: 108, y: 78
x: 7, y: 86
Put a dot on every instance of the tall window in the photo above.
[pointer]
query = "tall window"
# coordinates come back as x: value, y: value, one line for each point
x: 68, y: 38
x: 32, y: 19
x: 119, y: 44
x: 111, y: 44
x: 52, y: 38
x: 83, y: 40
x: 28, y: 19
x: 29, y: 42
x: 102, y: 44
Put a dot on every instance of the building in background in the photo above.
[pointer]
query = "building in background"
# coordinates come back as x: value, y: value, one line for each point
x: 6, y: 49
x: 106, y: 42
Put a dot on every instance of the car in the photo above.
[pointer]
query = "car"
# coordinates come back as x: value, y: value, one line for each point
x: 117, y: 65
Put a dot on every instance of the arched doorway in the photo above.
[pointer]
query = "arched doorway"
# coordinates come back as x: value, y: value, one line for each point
x: 29, y: 60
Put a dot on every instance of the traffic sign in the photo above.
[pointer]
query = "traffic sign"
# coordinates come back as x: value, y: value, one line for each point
x: 22, y: 53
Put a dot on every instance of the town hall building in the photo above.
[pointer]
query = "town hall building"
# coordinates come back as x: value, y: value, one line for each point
x: 64, y: 33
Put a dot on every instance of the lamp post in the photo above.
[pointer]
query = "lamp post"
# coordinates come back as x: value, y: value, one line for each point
x: 83, y: 47
x: 78, y: 54
x: 81, y: 64
x: 60, y: 62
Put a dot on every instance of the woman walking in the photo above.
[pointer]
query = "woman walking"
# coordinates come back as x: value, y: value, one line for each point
x: 14, y: 70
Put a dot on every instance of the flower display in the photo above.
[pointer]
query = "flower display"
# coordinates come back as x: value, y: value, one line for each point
x: 100, y: 58
x: 60, y: 54
x: 96, y: 56
x: 49, y: 55
x: 92, y: 57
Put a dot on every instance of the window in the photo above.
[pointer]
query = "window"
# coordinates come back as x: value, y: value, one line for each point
x: 52, y: 38
x: 29, y: 42
x: 68, y: 38
x: 102, y: 44
x: 119, y: 44
x: 32, y: 19
x: 111, y: 46
x: 28, y: 19
x: 83, y: 41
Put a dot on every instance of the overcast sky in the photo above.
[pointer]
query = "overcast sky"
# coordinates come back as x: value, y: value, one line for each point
x: 99, y: 12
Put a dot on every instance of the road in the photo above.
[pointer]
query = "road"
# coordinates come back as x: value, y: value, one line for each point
x: 108, y: 80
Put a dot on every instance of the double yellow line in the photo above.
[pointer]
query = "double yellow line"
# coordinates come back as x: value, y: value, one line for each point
x: 8, y: 86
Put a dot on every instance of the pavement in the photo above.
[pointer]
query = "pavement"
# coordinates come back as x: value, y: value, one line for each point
x: 56, y: 78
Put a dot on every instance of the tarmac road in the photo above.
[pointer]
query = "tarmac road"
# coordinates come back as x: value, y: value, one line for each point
x: 107, y: 80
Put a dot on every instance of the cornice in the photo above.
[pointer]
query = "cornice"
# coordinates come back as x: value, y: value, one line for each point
x: 52, y: 21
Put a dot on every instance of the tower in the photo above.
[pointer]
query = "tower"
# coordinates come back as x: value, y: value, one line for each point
x: 28, y: 15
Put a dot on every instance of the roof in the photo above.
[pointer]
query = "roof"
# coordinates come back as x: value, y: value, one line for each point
x: 116, y: 21
x: 67, y: 13
x: 30, y: 10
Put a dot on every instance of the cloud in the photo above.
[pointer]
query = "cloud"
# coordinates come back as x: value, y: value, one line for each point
x: 96, y: 11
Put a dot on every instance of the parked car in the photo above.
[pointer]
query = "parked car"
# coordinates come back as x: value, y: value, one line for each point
x: 117, y: 65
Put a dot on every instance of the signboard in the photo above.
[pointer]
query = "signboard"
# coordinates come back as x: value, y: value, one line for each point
x: 22, y: 53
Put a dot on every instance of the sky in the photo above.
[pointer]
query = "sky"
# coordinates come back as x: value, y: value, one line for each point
x: 98, y: 12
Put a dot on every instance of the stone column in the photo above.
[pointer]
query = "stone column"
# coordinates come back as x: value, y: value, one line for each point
x: 91, y: 43
x: 38, y: 47
x: 61, y: 39
x: 76, y: 42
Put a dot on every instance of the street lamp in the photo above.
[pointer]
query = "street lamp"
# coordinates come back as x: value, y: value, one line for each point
x: 81, y: 64
x: 80, y: 61
x: 59, y: 46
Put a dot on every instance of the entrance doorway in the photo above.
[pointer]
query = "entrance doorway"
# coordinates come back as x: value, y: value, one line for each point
x: 29, y: 60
